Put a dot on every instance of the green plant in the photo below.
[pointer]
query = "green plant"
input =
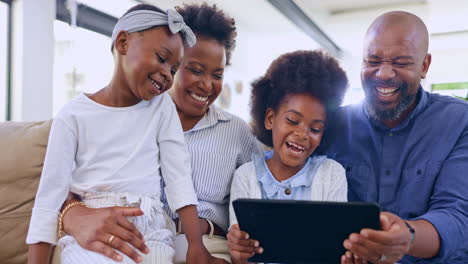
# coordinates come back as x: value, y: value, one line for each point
x: 466, y: 98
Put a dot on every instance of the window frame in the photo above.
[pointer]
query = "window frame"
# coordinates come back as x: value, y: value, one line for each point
x: 8, y: 71
x: 87, y: 18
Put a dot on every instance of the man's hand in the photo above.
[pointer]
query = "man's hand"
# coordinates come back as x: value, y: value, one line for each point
x: 388, y: 245
x: 240, y: 246
x: 350, y: 258
x: 92, y: 228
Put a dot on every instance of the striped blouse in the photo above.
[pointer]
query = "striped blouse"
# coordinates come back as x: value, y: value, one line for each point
x: 219, y: 144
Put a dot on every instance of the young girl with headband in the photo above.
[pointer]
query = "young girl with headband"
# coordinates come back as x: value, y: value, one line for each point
x: 112, y: 147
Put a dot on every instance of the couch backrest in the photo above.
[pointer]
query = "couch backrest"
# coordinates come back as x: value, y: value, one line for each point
x: 22, y: 151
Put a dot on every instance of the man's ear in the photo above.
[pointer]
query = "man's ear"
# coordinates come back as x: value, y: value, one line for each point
x: 269, y: 116
x: 426, y: 64
x: 121, y: 42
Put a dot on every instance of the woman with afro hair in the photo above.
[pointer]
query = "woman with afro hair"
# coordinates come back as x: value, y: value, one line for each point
x: 289, y: 106
x: 218, y: 142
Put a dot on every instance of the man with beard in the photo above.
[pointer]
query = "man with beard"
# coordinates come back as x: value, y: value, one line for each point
x: 405, y: 149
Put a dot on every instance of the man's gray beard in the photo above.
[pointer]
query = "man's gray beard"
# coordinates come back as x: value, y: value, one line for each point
x: 390, y: 114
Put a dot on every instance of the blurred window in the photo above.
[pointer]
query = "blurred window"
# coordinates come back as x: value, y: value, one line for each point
x: 83, y: 60
x: 3, y: 59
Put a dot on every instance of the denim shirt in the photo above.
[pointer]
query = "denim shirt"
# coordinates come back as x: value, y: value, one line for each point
x: 298, y: 187
x: 417, y: 170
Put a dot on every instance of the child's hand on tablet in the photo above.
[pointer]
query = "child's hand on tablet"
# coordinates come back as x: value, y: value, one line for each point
x: 241, y: 246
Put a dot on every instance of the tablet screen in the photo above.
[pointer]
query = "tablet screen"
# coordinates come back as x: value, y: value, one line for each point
x: 303, y: 231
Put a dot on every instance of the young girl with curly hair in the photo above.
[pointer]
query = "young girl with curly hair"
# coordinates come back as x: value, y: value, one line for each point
x: 290, y: 105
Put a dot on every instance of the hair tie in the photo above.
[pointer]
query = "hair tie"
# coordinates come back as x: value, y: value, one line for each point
x: 140, y: 20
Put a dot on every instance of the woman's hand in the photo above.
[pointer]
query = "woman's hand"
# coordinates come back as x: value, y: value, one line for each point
x: 93, y: 228
x: 240, y: 246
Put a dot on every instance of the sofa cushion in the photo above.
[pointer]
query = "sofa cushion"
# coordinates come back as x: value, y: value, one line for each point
x: 23, y: 146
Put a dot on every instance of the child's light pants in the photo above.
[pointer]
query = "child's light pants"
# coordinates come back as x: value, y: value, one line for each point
x: 155, y: 225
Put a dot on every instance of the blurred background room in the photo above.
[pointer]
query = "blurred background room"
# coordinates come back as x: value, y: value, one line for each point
x: 51, y: 50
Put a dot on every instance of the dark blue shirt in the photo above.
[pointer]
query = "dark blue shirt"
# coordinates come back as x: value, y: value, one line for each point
x: 417, y: 170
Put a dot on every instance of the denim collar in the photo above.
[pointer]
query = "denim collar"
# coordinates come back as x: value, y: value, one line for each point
x: 303, y: 177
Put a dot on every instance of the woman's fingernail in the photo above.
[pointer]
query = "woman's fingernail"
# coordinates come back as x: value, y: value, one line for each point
x: 139, y: 259
x: 260, y: 250
x: 118, y: 258
x: 256, y: 244
x: 146, y: 250
x: 247, y: 236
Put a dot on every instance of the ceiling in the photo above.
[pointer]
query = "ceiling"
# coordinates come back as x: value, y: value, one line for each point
x: 331, y: 16
x: 343, y: 6
x: 257, y: 15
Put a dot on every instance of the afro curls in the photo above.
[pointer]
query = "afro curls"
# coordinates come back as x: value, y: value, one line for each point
x: 211, y: 22
x: 301, y: 72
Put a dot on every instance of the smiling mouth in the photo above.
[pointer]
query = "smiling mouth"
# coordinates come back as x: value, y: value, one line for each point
x: 156, y: 85
x: 386, y: 92
x: 295, y: 148
x: 198, y: 97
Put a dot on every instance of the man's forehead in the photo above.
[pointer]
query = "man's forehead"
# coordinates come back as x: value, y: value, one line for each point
x: 389, y: 45
x: 393, y: 41
x: 392, y: 33
x: 397, y: 29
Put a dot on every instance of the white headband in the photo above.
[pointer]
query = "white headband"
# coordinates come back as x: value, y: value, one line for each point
x: 144, y: 19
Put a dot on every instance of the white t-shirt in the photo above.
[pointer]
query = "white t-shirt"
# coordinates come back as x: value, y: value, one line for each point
x: 96, y: 148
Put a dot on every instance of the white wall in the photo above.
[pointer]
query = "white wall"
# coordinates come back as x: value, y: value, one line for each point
x: 448, y: 25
